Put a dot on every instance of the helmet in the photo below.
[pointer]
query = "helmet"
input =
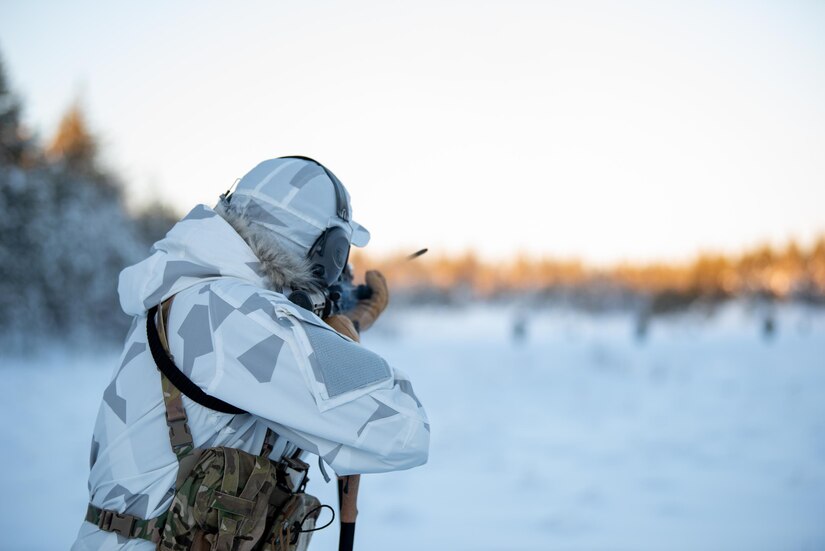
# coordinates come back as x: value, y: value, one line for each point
x: 303, y: 202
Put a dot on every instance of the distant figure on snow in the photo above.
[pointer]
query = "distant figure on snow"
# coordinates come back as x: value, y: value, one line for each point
x: 519, y: 332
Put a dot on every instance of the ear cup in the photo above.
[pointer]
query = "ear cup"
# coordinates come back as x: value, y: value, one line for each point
x: 329, y: 254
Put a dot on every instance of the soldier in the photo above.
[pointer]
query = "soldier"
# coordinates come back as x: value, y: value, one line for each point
x: 245, y: 374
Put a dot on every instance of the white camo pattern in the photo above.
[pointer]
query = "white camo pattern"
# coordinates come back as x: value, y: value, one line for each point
x: 247, y: 346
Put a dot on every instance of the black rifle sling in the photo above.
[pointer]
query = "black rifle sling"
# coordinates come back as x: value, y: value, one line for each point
x: 176, y: 376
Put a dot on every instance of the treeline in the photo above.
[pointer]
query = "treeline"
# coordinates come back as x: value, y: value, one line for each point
x: 65, y: 232
x: 768, y: 273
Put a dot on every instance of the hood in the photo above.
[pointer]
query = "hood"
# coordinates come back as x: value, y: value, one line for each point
x: 202, y: 246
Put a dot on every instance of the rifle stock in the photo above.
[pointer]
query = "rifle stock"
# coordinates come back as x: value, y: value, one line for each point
x: 348, y: 506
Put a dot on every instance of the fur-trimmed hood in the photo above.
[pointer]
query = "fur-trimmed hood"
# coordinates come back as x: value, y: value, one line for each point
x: 203, y: 246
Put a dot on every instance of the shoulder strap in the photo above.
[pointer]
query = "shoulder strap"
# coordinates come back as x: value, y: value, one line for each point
x: 180, y: 436
x: 175, y: 384
x: 168, y: 368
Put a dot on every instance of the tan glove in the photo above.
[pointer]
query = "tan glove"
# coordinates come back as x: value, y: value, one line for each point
x: 343, y: 325
x: 367, y: 310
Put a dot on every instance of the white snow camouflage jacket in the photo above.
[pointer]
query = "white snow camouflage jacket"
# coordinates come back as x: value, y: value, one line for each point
x: 254, y: 349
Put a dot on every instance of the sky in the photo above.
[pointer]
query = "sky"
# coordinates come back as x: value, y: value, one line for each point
x: 605, y: 131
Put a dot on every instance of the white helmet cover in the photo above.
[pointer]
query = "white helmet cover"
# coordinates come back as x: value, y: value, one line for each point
x: 298, y: 199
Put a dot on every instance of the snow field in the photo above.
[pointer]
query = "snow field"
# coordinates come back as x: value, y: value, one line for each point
x: 703, y: 436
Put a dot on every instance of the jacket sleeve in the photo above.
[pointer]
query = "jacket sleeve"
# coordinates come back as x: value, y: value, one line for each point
x: 322, y: 391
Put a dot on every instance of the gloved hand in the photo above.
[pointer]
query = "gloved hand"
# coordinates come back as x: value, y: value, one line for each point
x: 343, y: 325
x: 367, y: 310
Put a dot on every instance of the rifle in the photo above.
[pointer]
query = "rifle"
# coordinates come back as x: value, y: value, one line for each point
x: 340, y: 297
x: 347, y: 505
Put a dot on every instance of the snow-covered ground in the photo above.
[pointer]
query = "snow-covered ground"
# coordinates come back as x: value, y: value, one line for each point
x: 705, y: 436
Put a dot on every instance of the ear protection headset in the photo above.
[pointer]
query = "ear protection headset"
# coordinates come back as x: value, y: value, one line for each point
x: 330, y: 252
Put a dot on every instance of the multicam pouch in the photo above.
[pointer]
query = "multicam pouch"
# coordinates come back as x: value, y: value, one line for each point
x: 236, y: 501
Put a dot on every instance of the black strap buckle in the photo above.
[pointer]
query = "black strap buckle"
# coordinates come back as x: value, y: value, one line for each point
x: 112, y: 521
x: 179, y: 433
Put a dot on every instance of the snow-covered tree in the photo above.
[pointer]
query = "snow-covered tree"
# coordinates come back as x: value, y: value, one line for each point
x: 74, y: 144
x: 64, y: 237
x: 14, y: 143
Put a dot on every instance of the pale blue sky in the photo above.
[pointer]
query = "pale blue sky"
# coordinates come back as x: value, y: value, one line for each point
x: 601, y: 130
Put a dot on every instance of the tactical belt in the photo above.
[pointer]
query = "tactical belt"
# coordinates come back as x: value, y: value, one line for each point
x: 180, y: 436
x: 126, y: 525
